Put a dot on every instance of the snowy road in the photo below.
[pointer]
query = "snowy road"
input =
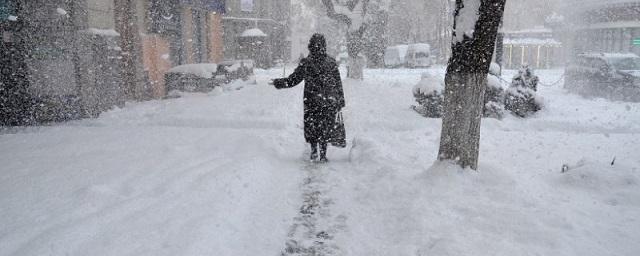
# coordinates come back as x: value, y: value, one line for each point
x: 223, y: 174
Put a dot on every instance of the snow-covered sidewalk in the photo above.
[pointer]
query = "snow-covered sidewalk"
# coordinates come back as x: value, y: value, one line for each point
x: 223, y: 174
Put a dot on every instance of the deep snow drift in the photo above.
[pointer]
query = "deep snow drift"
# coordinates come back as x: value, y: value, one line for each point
x: 223, y: 174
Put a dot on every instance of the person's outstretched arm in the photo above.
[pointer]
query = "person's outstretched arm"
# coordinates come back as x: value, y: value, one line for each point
x: 293, y: 79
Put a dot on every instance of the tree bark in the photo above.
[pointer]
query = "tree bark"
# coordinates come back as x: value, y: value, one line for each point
x: 354, y: 37
x: 354, y: 48
x: 465, y: 86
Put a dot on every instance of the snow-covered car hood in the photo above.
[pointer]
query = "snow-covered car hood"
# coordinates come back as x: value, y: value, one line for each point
x: 634, y: 73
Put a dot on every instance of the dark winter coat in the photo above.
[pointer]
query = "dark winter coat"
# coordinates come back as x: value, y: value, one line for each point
x: 323, y: 94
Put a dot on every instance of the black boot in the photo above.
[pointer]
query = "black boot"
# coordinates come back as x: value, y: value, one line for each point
x: 314, y: 151
x: 323, y: 152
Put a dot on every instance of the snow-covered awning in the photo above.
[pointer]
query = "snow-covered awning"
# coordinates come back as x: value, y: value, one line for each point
x: 254, y: 32
x: 531, y: 41
x: 101, y: 32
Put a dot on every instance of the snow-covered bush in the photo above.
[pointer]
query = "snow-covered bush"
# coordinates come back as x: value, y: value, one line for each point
x: 521, y: 98
x: 428, y: 94
x: 494, y: 94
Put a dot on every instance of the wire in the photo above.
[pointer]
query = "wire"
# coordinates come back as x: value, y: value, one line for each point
x: 554, y: 83
x: 540, y: 83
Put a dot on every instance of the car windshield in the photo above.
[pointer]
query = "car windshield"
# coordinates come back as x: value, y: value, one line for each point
x: 422, y: 55
x: 626, y: 63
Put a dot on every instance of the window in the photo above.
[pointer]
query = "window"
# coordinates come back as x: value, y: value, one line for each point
x: 626, y: 40
x: 626, y: 63
x: 422, y: 55
x: 246, y: 5
x: 164, y: 17
x: 7, y: 9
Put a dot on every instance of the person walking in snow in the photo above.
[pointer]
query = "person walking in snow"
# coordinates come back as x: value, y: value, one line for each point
x: 323, y: 96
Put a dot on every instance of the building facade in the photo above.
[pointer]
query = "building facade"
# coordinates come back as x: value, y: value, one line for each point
x: 536, y: 48
x: 601, y: 26
x: 82, y: 57
x: 257, y: 30
x: 177, y: 32
x: 67, y: 68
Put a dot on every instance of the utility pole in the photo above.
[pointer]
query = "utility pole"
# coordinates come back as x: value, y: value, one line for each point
x: 500, y: 47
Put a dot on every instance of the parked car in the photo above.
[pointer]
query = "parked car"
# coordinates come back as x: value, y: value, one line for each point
x: 203, y: 77
x: 419, y: 56
x: 610, y: 75
x: 235, y: 69
x: 394, y: 56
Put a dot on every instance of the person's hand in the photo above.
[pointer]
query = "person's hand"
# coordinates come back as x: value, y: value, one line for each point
x: 279, y: 83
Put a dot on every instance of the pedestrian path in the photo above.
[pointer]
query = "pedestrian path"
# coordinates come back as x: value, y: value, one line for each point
x: 317, y: 223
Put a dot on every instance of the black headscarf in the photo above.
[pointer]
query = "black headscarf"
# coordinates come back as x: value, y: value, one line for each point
x: 317, y: 46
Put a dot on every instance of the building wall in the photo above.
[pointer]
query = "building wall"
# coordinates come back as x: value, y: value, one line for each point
x: 77, y: 53
x: 532, y: 55
x: 216, y: 42
x: 270, y: 16
x: 67, y: 60
x: 101, y: 14
x: 197, y: 38
x: 187, y: 35
x: 602, y: 26
x: 155, y: 51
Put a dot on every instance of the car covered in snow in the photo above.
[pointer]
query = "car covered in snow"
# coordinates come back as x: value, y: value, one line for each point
x: 419, y: 56
x: 394, y: 56
x: 203, y: 77
x: 235, y: 69
x: 611, y: 75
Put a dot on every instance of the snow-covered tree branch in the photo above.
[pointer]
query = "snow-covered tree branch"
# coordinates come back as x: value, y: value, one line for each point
x: 357, y: 15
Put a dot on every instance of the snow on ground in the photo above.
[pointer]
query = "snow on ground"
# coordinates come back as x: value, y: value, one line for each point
x: 223, y: 174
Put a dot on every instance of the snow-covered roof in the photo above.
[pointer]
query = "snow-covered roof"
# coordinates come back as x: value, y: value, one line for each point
x: 419, y: 47
x: 610, y: 55
x: 401, y: 49
x: 608, y: 25
x: 253, y: 32
x: 251, y: 19
x: 531, y: 41
x: 204, y: 70
x: 536, y: 29
x: 592, y: 4
x: 577, y: 7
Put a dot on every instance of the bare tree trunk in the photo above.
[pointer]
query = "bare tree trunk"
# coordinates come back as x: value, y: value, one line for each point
x: 354, y: 48
x: 465, y: 86
x: 356, y: 68
x: 354, y: 37
x: 445, y: 30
